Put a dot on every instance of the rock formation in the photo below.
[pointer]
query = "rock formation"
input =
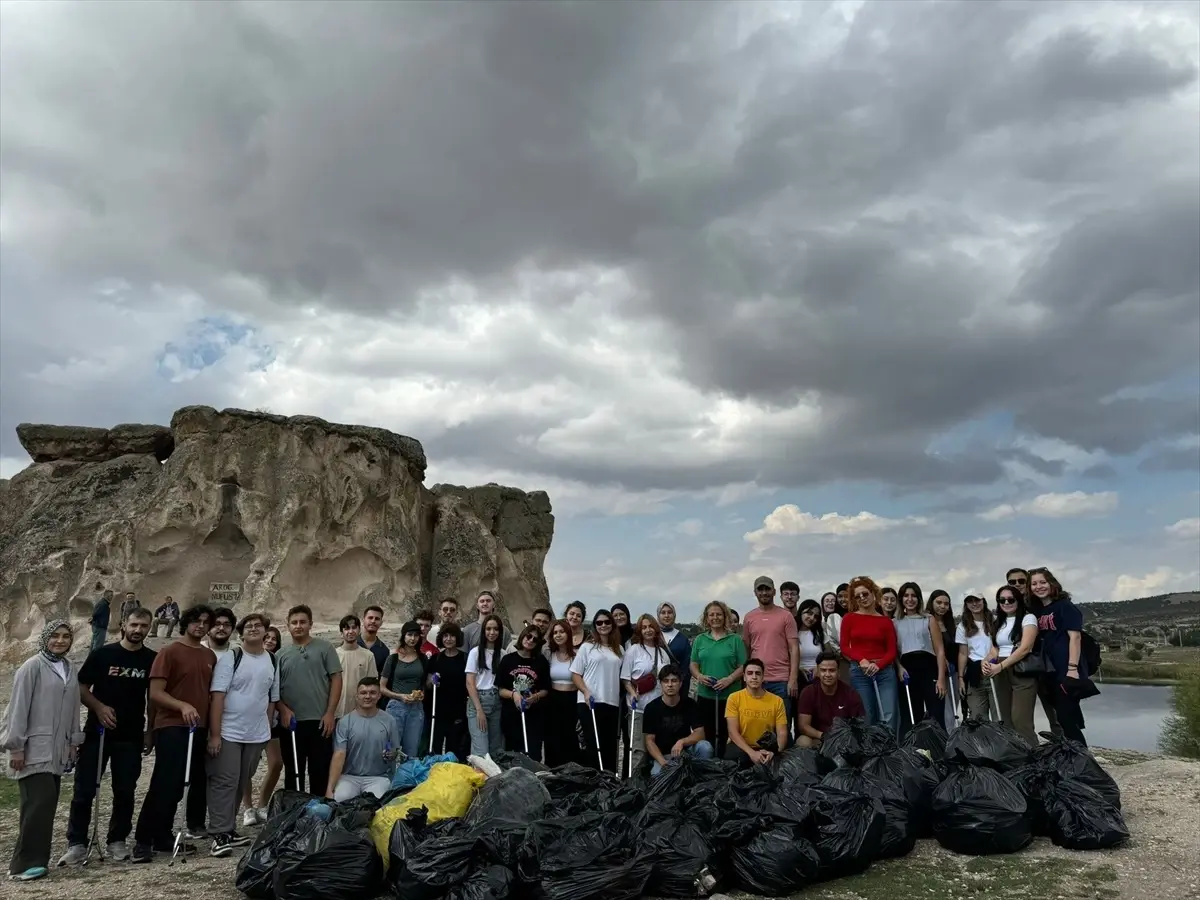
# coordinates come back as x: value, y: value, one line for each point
x: 294, y: 510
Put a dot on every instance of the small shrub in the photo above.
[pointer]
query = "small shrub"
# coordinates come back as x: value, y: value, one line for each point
x: 1134, y: 655
x: 1181, y: 731
x: 1138, y: 645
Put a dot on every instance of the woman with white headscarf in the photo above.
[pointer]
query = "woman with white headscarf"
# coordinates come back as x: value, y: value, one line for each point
x: 41, y: 735
x: 677, y: 643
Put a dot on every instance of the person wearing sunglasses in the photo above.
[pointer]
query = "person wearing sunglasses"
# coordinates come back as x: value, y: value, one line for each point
x: 1018, y: 578
x: 1014, y: 632
x: 596, y: 671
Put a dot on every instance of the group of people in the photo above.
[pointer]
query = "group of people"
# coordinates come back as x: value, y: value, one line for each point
x: 622, y: 695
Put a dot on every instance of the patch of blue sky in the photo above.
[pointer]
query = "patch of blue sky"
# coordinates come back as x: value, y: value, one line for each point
x: 209, y: 340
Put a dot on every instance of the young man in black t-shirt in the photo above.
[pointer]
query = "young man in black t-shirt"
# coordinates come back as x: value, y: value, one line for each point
x: 113, y: 684
x: 671, y: 724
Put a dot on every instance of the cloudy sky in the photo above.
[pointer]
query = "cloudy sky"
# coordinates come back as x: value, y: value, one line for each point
x: 809, y: 289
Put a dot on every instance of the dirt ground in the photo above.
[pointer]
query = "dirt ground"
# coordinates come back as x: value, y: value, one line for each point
x: 1161, y: 798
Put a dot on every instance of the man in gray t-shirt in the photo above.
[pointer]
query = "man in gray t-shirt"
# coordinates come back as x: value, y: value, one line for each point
x: 364, y: 748
x: 310, y: 686
x: 485, y: 606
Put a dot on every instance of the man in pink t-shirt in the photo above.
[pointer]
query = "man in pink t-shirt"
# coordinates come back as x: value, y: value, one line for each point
x: 769, y: 632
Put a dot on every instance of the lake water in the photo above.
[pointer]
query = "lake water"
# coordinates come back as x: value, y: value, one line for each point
x: 1123, y: 717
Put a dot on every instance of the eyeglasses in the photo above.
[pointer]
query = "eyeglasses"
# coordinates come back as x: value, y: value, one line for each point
x: 1016, y: 581
x: 602, y: 623
x: 1008, y: 599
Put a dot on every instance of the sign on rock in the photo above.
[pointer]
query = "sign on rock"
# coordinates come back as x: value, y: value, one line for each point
x: 222, y: 593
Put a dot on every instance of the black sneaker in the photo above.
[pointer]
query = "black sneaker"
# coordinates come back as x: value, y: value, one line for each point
x: 142, y: 853
x: 239, y: 840
x: 221, y: 846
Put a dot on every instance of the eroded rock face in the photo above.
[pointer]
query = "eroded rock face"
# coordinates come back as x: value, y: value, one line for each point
x: 296, y: 510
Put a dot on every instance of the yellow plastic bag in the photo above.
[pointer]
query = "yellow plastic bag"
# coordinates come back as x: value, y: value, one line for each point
x: 446, y: 793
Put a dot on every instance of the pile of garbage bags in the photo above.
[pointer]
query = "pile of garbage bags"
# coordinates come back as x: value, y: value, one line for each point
x: 573, y: 833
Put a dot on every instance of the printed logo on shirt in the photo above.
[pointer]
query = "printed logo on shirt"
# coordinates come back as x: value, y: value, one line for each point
x: 524, y: 678
x: 1046, y: 622
x: 128, y: 672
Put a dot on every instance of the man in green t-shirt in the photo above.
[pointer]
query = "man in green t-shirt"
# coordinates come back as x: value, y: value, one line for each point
x: 310, y: 688
x: 718, y: 656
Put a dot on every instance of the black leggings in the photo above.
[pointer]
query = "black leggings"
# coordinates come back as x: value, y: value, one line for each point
x: 716, y: 730
x: 922, y: 672
x: 608, y: 723
x: 561, y: 739
x: 1070, y: 716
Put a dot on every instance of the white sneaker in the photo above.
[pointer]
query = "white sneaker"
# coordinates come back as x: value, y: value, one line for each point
x: 75, y: 854
x: 250, y: 818
x: 118, y: 850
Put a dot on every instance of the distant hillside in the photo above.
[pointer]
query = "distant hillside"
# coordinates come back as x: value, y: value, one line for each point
x: 1169, y: 612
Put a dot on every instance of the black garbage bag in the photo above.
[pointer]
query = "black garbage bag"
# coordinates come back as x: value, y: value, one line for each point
x: 755, y: 791
x: 255, y: 872
x: 1034, y: 782
x: 624, y: 799
x: 685, y: 773
x: 594, y: 856
x: 845, y: 828
x: 899, y: 827
x: 767, y: 856
x: 492, y: 882
x: 330, y: 858
x: 440, y: 865
x: 1071, y: 760
x: 804, y: 764
x: 572, y: 778
x: 928, y: 735
x: 407, y: 835
x: 509, y: 759
x: 848, y: 741
x: 516, y: 795
x: 678, y: 842
x: 916, y: 776
x: 992, y: 744
x: 977, y: 811
x: 1081, y: 818
x: 768, y: 741
x: 284, y: 801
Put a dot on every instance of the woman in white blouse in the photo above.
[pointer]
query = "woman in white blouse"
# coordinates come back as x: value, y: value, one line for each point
x: 596, y: 671
x: 1014, y: 633
x: 483, y: 698
x: 810, y: 632
x: 644, y: 658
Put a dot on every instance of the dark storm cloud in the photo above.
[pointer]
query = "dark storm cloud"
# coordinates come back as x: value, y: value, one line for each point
x: 931, y: 213
x: 1183, y: 459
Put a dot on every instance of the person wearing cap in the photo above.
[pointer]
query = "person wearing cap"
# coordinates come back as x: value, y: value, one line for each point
x: 770, y: 634
x: 678, y: 645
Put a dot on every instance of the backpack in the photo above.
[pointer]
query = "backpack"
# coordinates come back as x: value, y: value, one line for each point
x: 1089, y: 650
x: 238, y: 653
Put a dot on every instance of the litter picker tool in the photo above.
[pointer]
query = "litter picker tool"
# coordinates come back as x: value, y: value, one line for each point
x: 94, y: 840
x: 596, y: 732
x: 716, y: 717
x: 995, y: 696
x: 433, y: 716
x: 524, y: 728
x: 296, y: 756
x: 180, y: 850
x: 878, y: 696
x: 954, y: 699
x: 908, y: 695
x: 632, y: 725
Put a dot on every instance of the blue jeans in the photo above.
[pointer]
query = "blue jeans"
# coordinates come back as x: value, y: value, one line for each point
x: 885, y: 681
x: 485, y: 743
x: 410, y: 718
x: 779, y: 689
x: 702, y: 750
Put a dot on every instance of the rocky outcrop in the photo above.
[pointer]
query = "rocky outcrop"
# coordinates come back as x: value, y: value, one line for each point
x: 295, y: 510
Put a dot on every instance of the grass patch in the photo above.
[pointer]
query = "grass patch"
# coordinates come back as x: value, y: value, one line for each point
x: 10, y: 794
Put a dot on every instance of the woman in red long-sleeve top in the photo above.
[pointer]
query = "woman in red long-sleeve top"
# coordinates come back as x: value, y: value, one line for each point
x: 869, y: 642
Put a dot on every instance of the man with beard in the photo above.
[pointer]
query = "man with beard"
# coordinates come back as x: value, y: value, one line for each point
x: 310, y: 689
x: 448, y: 615
x: 220, y: 631
x: 372, y: 621
x: 485, y: 605
x: 179, y: 689
x: 821, y: 703
x: 113, y: 684
x: 771, y: 635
